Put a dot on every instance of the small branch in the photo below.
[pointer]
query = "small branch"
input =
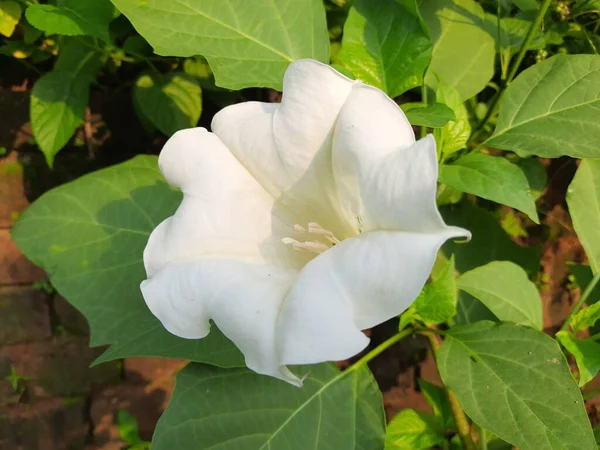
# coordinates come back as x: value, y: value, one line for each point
x: 586, y: 293
x: 462, y: 423
x: 380, y: 349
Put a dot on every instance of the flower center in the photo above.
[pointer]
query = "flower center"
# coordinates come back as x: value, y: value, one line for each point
x: 312, y: 246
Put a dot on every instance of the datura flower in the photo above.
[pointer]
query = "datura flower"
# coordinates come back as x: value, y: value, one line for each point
x: 302, y: 223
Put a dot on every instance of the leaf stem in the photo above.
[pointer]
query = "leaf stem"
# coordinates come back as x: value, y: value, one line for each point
x: 460, y: 418
x: 586, y: 293
x: 514, y: 68
x: 380, y: 349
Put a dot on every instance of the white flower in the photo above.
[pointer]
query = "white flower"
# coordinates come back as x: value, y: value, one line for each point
x: 302, y: 223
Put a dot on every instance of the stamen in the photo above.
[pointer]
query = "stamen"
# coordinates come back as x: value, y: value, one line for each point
x: 299, y: 229
x: 308, y: 246
x: 315, y: 228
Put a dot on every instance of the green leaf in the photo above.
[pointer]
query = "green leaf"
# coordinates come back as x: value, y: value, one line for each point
x: 550, y: 109
x: 384, y: 45
x: 73, y: 18
x: 512, y: 33
x: 435, y: 115
x: 246, y: 44
x: 171, y: 102
x: 586, y: 353
x: 470, y: 310
x: 89, y: 235
x: 504, y: 288
x: 515, y: 382
x: 536, y: 175
x: 463, y: 51
x: 455, y: 134
x: 236, y: 408
x: 437, y: 301
x: 493, y: 178
x: 490, y: 242
x: 583, y: 199
x: 585, y: 318
x: 59, y: 98
x: 10, y: 14
x: 414, y: 430
x: 438, y: 400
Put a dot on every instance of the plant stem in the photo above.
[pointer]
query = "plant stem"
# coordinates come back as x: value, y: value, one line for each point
x: 380, y: 349
x: 535, y: 25
x: 586, y: 293
x: 591, y: 394
x: 462, y: 423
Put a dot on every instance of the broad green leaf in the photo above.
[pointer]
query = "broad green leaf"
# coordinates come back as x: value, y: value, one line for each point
x: 10, y: 14
x: 171, y: 102
x: 435, y: 115
x: 586, y: 353
x: 437, y: 301
x: 438, y: 400
x: 89, y: 235
x: 585, y: 318
x: 515, y: 382
x: 59, y: 98
x: 384, y: 45
x: 503, y: 287
x: 493, y: 178
x: 470, y: 310
x: 73, y: 18
x: 583, y: 199
x: 550, y: 109
x: 489, y: 243
x: 536, y: 175
x: 455, y: 134
x: 463, y: 51
x: 238, y: 409
x: 414, y: 430
x: 248, y: 44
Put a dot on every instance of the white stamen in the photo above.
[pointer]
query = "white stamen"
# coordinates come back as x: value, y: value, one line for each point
x: 315, y: 228
x: 299, y: 229
x: 311, y: 246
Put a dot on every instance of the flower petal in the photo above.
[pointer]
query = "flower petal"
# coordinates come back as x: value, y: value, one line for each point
x: 224, y: 210
x: 359, y: 283
x: 242, y: 298
x: 287, y: 146
x: 385, y: 180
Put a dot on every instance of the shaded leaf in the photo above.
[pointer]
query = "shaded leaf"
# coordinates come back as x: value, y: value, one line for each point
x: 470, y: 310
x: 550, y: 109
x: 435, y: 115
x: 536, y: 175
x: 503, y: 287
x: 89, y: 235
x: 493, y: 178
x: 583, y: 199
x: 236, y: 408
x: 73, y: 18
x: 586, y: 353
x: 515, y: 382
x: 385, y: 45
x: 463, y: 51
x: 490, y: 242
x: 438, y: 400
x: 246, y: 44
x: 170, y: 102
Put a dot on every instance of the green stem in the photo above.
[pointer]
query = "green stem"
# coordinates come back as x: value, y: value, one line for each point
x: 462, y: 423
x: 586, y: 293
x: 535, y: 25
x: 426, y: 102
x: 380, y: 349
x: 591, y: 394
